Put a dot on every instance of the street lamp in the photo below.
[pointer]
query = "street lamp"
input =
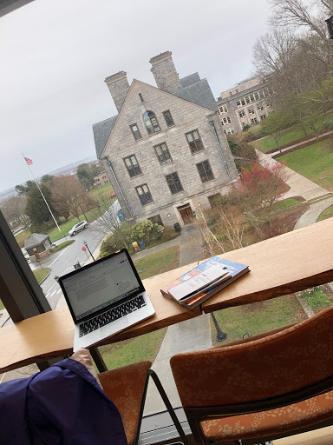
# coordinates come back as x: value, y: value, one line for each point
x: 220, y: 335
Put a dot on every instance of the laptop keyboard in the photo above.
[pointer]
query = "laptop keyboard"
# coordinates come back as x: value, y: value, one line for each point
x: 111, y: 315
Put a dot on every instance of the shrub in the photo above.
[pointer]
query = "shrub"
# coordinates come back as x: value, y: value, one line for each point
x: 146, y: 231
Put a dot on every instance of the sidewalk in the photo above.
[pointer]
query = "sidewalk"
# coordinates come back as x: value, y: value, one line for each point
x: 189, y: 335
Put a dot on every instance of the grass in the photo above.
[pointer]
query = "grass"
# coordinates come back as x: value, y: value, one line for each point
x: 22, y: 236
x: 327, y: 213
x: 102, y: 192
x: 134, y: 350
x: 257, y: 318
x: 316, y: 299
x: 55, y: 234
x: 1, y: 305
x: 288, y: 203
x: 61, y: 246
x: 294, y: 134
x: 157, y: 262
x: 41, y: 273
x: 314, y: 162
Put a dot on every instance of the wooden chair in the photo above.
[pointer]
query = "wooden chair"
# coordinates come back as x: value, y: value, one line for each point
x: 275, y: 386
x: 127, y: 388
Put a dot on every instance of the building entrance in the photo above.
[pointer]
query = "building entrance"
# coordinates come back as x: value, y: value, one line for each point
x: 186, y: 213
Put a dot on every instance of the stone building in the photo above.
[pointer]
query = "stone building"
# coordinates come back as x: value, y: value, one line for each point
x: 246, y: 104
x: 165, y: 150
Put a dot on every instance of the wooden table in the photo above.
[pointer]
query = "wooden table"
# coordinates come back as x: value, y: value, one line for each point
x: 280, y: 265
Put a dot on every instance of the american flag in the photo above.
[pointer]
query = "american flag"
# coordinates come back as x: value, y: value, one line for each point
x: 28, y: 161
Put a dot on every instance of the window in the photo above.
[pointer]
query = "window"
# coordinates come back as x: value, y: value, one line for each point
x: 156, y: 220
x: 252, y: 98
x: 144, y: 194
x: 140, y: 97
x: 243, y: 101
x: 254, y: 120
x: 132, y: 166
x: 162, y: 153
x: 251, y: 111
x: 174, y: 183
x: 229, y: 120
x: 168, y: 118
x: 225, y: 120
x: 222, y: 122
x: 194, y: 141
x: 256, y: 95
x: 223, y: 109
x: 247, y: 100
x: 135, y: 131
x: 241, y: 113
x: 238, y: 103
x: 205, y: 171
x: 151, y: 123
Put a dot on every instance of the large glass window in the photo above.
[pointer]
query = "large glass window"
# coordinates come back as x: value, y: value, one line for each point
x: 144, y: 194
x: 132, y: 166
x: 151, y: 122
x: 162, y: 153
x: 194, y: 141
x: 174, y: 183
x: 205, y: 171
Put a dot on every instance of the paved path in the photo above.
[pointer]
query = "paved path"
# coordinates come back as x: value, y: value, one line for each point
x: 312, y: 214
x: 189, y: 335
x: 299, y: 184
x: 301, y: 144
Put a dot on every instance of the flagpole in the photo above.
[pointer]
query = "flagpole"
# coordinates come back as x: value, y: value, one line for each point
x: 40, y: 191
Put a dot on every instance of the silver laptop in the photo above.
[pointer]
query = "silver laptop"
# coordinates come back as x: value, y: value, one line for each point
x: 105, y: 297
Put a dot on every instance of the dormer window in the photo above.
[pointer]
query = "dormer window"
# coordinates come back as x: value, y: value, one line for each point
x: 151, y: 122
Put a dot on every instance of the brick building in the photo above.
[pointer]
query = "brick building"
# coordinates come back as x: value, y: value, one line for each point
x: 165, y: 150
x: 247, y: 103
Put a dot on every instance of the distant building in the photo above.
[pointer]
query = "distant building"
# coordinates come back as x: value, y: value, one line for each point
x: 101, y: 179
x: 247, y: 103
x: 37, y: 243
x: 165, y: 150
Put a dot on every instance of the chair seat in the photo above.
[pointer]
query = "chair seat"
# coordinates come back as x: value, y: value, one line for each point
x: 269, y: 423
x: 125, y: 387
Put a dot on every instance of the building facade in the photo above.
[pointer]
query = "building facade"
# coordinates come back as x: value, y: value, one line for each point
x: 165, y: 151
x: 247, y: 103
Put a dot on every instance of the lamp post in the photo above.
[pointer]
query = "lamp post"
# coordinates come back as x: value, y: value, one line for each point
x: 86, y: 247
x: 220, y: 335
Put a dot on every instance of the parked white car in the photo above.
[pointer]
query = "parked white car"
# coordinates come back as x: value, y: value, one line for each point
x: 78, y: 227
x: 26, y: 255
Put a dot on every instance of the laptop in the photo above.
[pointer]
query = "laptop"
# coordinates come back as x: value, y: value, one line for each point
x: 105, y: 297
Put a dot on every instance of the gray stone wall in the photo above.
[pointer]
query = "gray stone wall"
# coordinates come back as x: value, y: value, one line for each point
x: 187, y: 116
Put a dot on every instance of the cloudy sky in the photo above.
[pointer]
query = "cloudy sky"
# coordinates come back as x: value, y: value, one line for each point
x: 55, y: 55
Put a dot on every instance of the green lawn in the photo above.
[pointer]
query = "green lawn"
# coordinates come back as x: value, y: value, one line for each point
x: 158, y: 262
x: 102, y: 192
x: 41, y: 273
x: 293, y: 134
x: 62, y: 246
x: 134, y: 350
x: 257, y: 318
x: 315, y: 162
x: 1, y: 305
x: 328, y: 213
x: 286, y: 204
x: 21, y: 237
x: 55, y: 234
x: 316, y: 299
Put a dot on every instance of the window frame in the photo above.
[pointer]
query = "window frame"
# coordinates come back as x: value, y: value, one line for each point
x: 168, y: 113
x: 175, y: 186
x: 133, y: 166
x: 145, y: 193
x: 206, y: 175
x: 135, y: 133
x: 197, y: 144
x: 159, y: 158
x: 148, y: 119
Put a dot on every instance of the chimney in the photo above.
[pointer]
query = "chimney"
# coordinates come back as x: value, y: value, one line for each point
x: 164, y: 71
x: 118, y: 86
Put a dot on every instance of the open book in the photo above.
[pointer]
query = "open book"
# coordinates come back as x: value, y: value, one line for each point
x: 197, y: 285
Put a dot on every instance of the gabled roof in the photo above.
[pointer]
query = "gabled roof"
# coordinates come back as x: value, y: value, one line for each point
x: 192, y: 89
x: 34, y: 240
x: 102, y: 131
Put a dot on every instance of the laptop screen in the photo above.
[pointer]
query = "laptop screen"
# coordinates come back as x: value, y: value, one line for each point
x: 96, y: 287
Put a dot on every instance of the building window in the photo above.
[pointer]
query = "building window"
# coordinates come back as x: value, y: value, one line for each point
x: 243, y: 101
x: 168, y: 118
x: 256, y: 95
x: 229, y: 120
x: 136, y: 132
x: 132, y: 166
x: 247, y: 99
x: 162, y: 153
x: 254, y: 120
x: 205, y: 171
x: 174, y: 183
x: 242, y: 113
x: 144, y: 194
x: 194, y: 141
x: 223, y: 109
x: 140, y: 97
x: 151, y: 122
x: 238, y: 103
x: 156, y: 220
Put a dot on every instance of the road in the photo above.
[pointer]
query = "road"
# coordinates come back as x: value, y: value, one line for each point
x: 62, y: 262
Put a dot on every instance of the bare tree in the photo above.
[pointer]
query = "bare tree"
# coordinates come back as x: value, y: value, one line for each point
x: 13, y: 209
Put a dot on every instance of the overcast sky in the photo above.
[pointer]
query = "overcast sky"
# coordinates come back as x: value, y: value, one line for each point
x: 55, y: 54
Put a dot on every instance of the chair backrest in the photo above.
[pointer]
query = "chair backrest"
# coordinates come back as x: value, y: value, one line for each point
x: 271, y: 367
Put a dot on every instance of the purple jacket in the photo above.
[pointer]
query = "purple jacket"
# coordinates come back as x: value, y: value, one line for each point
x: 62, y: 405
